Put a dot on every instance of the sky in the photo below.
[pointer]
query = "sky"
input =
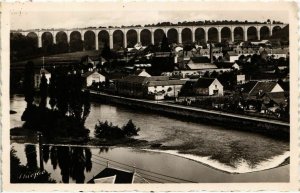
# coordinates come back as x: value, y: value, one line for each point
x: 79, y: 19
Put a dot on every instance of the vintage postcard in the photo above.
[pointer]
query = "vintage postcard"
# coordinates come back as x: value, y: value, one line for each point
x: 149, y: 96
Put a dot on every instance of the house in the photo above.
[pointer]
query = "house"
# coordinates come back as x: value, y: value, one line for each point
x: 93, y: 77
x: 154, y: 86
x: 90, y: 62
x: 240, y: 79
x: 275, y: 98
x: 236, y: 66
x: 232, y: 65
x: 277, y: 56
x: 165, y: 87
x: 208, y: 87
x: 254, y: 89
x: 141, y: 72
x: 200, y: 63
x: 187, y: 88
x: 261, y: 43
x: 37, y: 77
x: 230, y: 56
x: 131, y: 85
x: 111, y: 175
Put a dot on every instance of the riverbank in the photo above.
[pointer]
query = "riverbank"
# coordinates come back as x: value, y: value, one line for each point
x: 242, y: 167
x: 234, y: 164
x: 253, y: 124
x: 221, y: 144
x: 158, y: 162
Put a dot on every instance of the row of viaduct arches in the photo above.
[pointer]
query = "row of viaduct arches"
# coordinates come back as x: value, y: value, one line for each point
x: 91, y: 39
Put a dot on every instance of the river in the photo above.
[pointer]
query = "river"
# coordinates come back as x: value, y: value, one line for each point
x: 198, y: 152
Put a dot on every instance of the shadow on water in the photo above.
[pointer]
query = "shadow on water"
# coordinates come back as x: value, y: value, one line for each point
x: 72, y: 161
x: 31, y: 156
x: 66, y: 164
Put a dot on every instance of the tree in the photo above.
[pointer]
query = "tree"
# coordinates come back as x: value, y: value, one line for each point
x: 206, y: 74
x: 52, y: 89
x: 164, y: 44
x: 106, y: 52
x: 43, y: 90
x: 29, y: 83
x: 130, y: 129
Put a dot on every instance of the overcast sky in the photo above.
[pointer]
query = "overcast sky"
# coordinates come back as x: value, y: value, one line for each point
x: 37, y: 19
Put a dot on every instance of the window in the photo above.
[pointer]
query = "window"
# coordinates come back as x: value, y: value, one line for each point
x: 216, y: 92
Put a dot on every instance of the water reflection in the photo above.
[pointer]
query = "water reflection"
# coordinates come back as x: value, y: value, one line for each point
x: 103, y: 149
x: 46, y: 151
x: 63, y: 162
x: 72, y: 161
x: 31, y: 156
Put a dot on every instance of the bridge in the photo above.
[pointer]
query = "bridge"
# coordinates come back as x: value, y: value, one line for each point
x: 152, y: 35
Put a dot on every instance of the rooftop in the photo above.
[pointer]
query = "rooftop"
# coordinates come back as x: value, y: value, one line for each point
x: 166, y: 83
x: 201, y: 66
x: 88, y: 73
x: 117, y: 176
x: 277, y: 97
x: 263, y: 86
x: 204, y: 82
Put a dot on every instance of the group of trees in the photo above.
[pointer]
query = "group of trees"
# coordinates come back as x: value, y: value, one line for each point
x: 21, y: 47
x: 210, y: 22
x: 26, y: 47
x: 109, y: 131
x: 70, y: 106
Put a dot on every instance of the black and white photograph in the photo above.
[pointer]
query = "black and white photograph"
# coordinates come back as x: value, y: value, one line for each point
x: 119, y: 93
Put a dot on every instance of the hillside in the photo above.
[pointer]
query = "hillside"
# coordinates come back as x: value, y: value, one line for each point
x: 57, y: 58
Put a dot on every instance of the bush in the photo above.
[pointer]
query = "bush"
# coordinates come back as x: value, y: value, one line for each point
x: 130, y: 129
x: 109, y: 131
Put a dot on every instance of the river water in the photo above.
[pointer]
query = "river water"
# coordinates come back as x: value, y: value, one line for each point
x: 207, y: 147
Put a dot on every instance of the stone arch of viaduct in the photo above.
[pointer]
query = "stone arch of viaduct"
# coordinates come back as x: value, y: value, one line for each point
x: 244, y: 31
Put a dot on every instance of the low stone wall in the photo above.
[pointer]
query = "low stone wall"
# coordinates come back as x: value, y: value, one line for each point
x: 226, y: 120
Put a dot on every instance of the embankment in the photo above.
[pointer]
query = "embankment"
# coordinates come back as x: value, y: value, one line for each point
x: 226, y: 120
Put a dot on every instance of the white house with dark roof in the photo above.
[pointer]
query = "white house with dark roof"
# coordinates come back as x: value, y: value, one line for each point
x: 254, y: 89
x: 166, y: 87
x: 93, y: 77
x: 141, y: 86
x: 208, y: 87
x: 141, y: 72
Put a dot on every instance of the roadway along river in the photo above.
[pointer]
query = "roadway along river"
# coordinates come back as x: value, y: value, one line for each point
x: 230, y: 150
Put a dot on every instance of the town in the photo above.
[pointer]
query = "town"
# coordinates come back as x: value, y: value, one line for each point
x: 245, y: 77
x: 122, y: 100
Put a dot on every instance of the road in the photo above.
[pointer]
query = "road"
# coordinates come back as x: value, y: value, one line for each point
x: 258, y: 119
